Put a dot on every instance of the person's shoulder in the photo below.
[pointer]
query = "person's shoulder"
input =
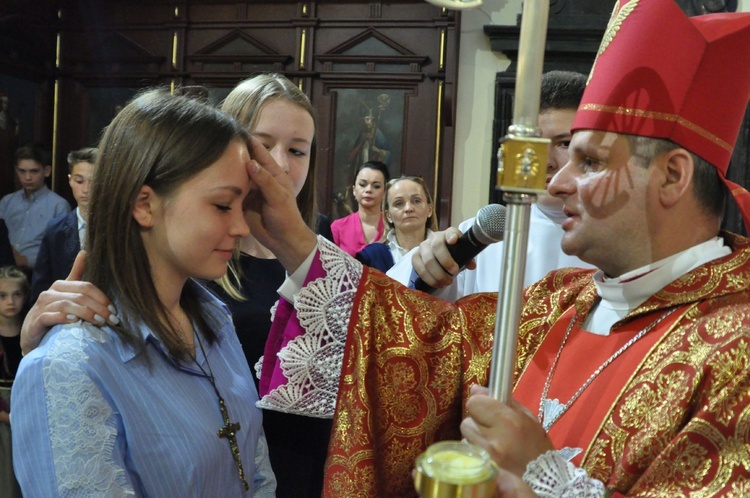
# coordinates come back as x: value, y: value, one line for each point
x: 71, y: 346
x: 59, y: 201
x: 376, y: 255
x: 7, y: 198
x: 376, y: 248
x: 567, y: 280
x: 337, y: 222
x: 61, y: 221
x: 344, y: 219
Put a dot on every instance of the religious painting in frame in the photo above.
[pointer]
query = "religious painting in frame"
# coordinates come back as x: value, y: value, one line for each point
x: 369, y: 126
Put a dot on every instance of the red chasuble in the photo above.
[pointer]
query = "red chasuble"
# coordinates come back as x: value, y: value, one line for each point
x: 671, y: 417
x: 582, y: 355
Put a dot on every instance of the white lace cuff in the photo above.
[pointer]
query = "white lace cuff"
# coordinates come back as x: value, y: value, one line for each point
x: 311, y: 362
x: 551, y: 476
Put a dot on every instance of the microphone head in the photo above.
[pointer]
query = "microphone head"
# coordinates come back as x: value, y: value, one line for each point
x: 489, y: 225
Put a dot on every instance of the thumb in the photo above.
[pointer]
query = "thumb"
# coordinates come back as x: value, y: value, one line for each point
x: 76, y: 273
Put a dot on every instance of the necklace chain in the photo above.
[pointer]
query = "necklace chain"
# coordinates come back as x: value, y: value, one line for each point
x: 229, y: 430
x: 551, y: 410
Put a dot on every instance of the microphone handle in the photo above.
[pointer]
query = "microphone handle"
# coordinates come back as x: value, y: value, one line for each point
x: 466, y: 248
x: 463, y: 251
x: 416, y: 282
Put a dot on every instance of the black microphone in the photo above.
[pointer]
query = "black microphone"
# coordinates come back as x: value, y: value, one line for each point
x: 488, y: 228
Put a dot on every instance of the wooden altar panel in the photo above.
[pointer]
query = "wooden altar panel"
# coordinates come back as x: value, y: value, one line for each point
x: 111, y: 48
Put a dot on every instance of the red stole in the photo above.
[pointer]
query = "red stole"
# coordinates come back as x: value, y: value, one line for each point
x: 583, y: 353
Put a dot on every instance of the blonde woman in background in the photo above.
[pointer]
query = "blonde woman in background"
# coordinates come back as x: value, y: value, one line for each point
x: 409, y: 217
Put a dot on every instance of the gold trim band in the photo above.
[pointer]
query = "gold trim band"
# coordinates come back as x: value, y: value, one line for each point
x: 674, y: 118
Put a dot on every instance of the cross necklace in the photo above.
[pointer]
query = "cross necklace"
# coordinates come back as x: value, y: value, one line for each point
x: 550, y: 410
x: 229, y: 431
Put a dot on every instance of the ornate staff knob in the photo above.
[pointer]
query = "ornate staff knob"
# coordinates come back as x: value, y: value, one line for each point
x: 522, y: 164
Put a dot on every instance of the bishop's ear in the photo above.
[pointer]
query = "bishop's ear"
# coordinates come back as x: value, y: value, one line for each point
x: 145, y: 207
x: 679, y: 168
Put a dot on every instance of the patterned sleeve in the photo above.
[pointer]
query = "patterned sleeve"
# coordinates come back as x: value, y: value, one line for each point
x: 710, y: 455
x: 64, y: 430
x: 552, y: 476
x: 301, y: 364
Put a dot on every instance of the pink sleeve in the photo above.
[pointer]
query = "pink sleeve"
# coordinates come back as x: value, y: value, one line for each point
x: 284, y: 328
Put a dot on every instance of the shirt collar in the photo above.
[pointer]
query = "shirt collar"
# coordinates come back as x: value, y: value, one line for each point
x: 81, y: 221
x: 396, y: 250
x: 631, y: 289
x: 36, y: 195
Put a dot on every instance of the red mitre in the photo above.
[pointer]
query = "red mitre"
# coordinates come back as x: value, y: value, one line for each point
x: 662, y: 74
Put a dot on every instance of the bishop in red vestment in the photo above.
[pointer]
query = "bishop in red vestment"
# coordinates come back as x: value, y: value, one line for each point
x: 638, y: 373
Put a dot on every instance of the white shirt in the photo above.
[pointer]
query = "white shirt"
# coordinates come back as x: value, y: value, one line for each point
x: 81, y: 228
x: 621, y: 295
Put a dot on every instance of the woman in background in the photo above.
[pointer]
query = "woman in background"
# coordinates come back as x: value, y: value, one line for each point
x: 365, y: 225
x: 409, y: 217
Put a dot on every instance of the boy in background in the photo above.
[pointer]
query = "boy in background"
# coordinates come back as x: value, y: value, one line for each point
x: 28, y: 211
x: 65, y: 235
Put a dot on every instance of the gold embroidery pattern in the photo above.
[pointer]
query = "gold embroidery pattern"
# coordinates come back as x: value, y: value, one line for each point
x: 681, y: 425
x: 357, y: 484
x: 660, y: 453
x: 408, y: 366
x: 731, y: 366
x: 740, y: 488
x: 661, y: 116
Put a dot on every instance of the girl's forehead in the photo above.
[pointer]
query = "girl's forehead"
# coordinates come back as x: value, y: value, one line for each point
x: 10, y: 284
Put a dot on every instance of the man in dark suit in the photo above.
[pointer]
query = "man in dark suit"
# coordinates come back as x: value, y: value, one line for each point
x: 65, y: 235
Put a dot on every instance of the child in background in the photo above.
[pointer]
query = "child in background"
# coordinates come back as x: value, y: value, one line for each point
x: 14, y: 289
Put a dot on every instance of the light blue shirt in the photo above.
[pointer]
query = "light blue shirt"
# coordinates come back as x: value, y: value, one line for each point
x: 27, y: 218
x: 91, y: 418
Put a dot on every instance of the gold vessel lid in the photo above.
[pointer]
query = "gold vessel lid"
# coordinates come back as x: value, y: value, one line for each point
x: 453, y: 469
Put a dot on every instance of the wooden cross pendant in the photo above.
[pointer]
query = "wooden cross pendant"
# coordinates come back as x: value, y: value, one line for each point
x: 229, y: 431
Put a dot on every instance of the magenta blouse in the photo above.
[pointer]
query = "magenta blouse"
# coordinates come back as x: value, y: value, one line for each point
x: 348, y: 233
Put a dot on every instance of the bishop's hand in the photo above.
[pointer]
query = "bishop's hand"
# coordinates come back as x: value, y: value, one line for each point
x: 509, y: 432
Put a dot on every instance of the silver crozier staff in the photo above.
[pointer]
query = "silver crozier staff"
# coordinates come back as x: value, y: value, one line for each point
x: 450, y: 469
x: 522, y: 171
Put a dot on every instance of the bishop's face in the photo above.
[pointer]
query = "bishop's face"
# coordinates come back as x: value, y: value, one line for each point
x: 606, y: 195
